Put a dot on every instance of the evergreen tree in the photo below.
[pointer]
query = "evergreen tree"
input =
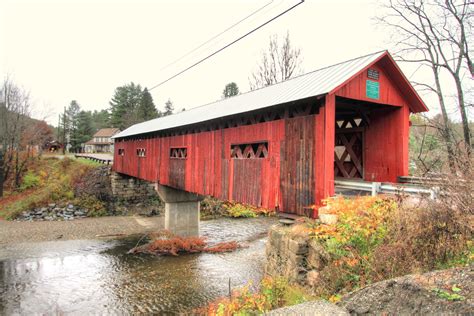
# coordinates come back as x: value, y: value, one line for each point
x: 169, y: 108
x: 100, y: 119
x: 84, y: 127
x: 124, y: 106
x: 72, y: 114
x: 147, y: 109
x: 230, y: 90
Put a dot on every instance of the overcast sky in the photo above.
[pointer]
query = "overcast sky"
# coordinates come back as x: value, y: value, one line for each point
x: 82, y: 50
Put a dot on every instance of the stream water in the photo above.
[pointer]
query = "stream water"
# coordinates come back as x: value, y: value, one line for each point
x: 86, y: 277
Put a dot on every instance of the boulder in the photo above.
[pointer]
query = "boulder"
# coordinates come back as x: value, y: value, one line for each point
x: 445, y: 292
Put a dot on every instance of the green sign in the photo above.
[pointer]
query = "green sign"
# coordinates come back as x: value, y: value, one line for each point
x: 372, y: 90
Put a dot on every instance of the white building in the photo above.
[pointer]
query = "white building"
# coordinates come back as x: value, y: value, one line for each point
x: 101, y: 142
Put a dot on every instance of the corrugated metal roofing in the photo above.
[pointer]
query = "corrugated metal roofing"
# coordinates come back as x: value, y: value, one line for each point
x: 312, y: 84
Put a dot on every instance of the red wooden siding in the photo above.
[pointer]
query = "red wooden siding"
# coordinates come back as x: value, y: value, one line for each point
x: 209, y: 168
x: 297, y: 164
x: 386, y: 154
x: 389, y: 92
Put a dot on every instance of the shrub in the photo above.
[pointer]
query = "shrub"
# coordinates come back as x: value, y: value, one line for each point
x: 272, y: 293
x: 166, y: 243
x: 30, y: 180
x: 237, y: 210
x: 422, y: 239
x: 94, y: 207
x: 361, y: 228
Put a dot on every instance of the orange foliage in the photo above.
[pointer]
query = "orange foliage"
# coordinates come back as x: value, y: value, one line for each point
x: 165, y: 243
x: 360, y: 215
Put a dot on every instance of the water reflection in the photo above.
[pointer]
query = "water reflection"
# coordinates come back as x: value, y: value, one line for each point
x: 97, y: 277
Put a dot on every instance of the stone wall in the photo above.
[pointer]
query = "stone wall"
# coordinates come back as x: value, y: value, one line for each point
x: 294, y: 257
x: 131, y: 189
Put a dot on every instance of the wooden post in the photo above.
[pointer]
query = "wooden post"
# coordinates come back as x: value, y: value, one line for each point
x: 325, y: 137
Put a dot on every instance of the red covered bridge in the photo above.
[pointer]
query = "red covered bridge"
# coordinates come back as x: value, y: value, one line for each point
x: 281, y: 147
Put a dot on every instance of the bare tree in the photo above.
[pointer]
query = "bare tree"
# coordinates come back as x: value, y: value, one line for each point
x: 14, y: 111
x: 278, y: 63
x: 436, y: 34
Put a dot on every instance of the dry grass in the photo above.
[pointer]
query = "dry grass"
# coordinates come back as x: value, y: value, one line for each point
x: 166, y: 243
x: 432, y: 235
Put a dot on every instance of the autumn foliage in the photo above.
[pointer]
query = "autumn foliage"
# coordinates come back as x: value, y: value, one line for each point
x: 166, y: 243
x: 48, y: 180
x: 271, y: 293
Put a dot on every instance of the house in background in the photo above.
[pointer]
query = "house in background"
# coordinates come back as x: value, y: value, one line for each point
x: 101, y: 142
x: 52, y: 146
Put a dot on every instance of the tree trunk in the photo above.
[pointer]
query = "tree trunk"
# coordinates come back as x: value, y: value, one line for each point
x: 446, y: 126
x: 464, y: 118
x: 2, y: 179
x: 17, y: 170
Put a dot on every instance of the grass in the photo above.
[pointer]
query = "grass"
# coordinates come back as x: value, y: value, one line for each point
x: 47, y: 180
x: 89, y: 162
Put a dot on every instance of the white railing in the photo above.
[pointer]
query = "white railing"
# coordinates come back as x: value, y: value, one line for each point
x: 385, y: 187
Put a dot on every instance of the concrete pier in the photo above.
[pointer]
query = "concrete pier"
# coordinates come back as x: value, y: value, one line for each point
x: 181, y: 210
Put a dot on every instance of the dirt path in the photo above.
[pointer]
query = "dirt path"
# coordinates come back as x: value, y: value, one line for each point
x: 87, y: 228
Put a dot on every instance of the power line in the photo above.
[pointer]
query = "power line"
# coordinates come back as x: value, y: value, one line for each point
x: 217, y: 35
x: 226, y: 46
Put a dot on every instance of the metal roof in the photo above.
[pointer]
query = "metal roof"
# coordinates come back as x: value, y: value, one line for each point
x: 311, y: 84
x: 106, y: 132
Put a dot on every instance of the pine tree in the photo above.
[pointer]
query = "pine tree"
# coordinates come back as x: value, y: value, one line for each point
x: 124, y: 106
x: 230, y: 90
x: 84, y: 127
x: 72, y: 113
x: 169, y: 108
x: 147, y: 109
x: 100, y: 119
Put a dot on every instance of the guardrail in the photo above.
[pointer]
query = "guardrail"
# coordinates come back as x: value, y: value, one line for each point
x: 426, y: 181
x: 385, y: 187
x: 106, y: 161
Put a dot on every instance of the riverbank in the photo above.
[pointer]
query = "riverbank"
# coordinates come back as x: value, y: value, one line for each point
x: 97, y: 277
x: 12, y: 232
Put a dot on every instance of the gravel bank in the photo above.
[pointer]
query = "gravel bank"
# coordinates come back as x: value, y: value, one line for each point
x: 312, y: 308
x: 86, y: 228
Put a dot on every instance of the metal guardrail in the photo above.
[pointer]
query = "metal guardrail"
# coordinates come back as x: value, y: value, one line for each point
x: 385, y: 187
x: 420, y: 180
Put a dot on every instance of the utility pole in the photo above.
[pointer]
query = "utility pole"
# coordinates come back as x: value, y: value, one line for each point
x: 58, y: 133
x: 64, y: 131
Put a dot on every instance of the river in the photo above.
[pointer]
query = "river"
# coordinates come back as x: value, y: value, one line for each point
x: 99, y: 277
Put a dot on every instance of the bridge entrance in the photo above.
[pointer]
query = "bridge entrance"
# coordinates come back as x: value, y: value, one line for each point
x: 348, y: 150
x: 351, y: 123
